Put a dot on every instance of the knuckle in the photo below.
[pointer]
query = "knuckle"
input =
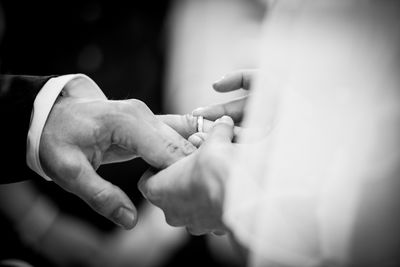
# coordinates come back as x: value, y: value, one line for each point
x: 173, y: 220
x: 179, y: 147
x: 137, y: 104
x: 171, y: 147
x: 195, y: 231
x: 100, y: 200
x: 187, y: 147
x: 191, y: 122
x: 99, y: 130
x: 65, y: 169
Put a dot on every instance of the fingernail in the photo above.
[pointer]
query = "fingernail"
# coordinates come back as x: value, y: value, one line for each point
x: 197, y: 111
x: 124, y: 217
x: 218, y: 81
x: 196, y: 141
x: 225, y: 119
x: 188, y: 148
x: 219, y: 232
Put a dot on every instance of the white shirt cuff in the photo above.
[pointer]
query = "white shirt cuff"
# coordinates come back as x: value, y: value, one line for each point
x: 43, y: 104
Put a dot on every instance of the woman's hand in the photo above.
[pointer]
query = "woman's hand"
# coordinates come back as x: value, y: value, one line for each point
x: 191, y: 191
x: 241, y: 79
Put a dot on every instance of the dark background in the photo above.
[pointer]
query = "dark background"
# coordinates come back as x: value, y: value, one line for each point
x: 120, y: 45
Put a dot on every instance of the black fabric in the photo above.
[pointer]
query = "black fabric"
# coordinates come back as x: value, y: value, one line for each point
x: 17, y: 94
x: 127, y: 43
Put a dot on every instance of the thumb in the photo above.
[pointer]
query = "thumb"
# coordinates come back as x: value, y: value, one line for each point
x: 222, y: 130
x: 78, y: 177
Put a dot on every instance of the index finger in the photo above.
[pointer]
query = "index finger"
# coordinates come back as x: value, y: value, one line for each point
x: 154, y: 141
x: 233, y: 109
x: 185, y: 125
x: 241, y: 79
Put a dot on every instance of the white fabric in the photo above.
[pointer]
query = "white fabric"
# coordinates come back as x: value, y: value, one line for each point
x: 42, y: 106
x: 321, y: 188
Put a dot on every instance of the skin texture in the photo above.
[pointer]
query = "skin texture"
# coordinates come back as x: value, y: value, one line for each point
x: 191, y: 191
x: 241, y: 79
x: 81, y: 134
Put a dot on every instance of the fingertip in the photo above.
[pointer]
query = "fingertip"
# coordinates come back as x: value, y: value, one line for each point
x: 222, y: 130
x: 195, y: 231
x: 104, y: 197
x: 235, y: 80
x: 219, y: 85
x: 143, y: 179
x: 185, y: 125
x: 217, y: 82
x: 211, y: 112
x: 125, y: 217
x: 225, y: 119
x: 197, y: 139
x: 215, y: 86
x: 188, y: 148
x: 219, y: 232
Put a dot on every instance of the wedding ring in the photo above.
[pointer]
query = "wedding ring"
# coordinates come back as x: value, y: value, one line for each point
x: 200, y: 123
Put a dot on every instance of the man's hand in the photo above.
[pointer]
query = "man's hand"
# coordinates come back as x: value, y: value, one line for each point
x: 191, y: 191
x: 81, y: 134
x: 241, y: 79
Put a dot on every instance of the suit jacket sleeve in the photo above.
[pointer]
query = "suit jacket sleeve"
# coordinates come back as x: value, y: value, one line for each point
x: 17, y: 95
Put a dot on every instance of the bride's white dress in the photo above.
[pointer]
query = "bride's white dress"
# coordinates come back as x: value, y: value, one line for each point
x: 321, y: 188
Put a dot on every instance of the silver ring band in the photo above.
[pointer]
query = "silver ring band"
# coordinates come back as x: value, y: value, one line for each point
x: 200, y: 124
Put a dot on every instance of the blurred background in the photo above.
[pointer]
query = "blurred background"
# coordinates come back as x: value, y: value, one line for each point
x: 165, y: 53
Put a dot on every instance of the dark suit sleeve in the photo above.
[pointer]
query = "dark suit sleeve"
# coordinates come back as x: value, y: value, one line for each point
x: 17, y: 94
